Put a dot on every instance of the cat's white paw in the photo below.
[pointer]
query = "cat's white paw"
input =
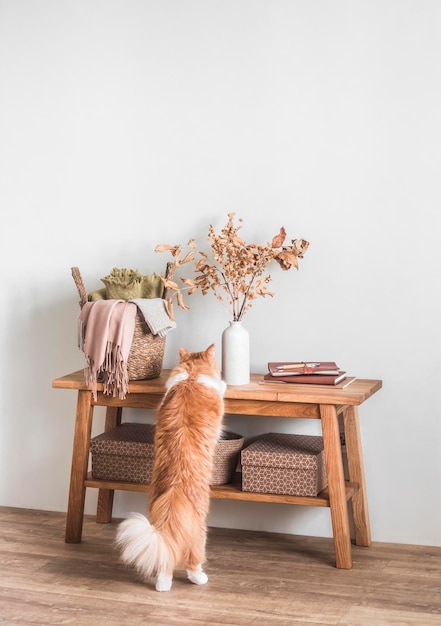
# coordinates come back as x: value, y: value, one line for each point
x: 164, y: 583
x: 198, y: 577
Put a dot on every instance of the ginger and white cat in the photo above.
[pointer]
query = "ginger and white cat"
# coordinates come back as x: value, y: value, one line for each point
x: 188, y: 425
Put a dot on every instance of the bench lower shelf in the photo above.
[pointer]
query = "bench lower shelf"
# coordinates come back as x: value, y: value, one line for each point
x: 231, y: 491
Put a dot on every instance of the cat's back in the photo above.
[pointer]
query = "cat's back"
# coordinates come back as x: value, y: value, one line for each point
x: 193, y: 400
x: 187, y: 429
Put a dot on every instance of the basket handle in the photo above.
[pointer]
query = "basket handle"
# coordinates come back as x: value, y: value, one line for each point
x: 169, y: 273
x: 80, y: 285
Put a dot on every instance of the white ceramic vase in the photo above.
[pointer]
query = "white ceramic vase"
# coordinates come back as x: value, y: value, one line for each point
x: 236, y: 354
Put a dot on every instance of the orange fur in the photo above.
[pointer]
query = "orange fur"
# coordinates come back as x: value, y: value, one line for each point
x: 188, y: 424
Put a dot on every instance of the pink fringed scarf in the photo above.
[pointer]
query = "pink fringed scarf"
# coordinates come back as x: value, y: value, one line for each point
x: 105, y: 335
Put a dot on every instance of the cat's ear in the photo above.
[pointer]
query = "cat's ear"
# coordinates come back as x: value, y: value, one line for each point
x: 183, y: 353
x: 210, y: 351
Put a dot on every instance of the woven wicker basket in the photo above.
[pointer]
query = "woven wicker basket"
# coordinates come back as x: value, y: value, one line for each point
x: 226, y: 457
x: 147, y: 352
x: 127, y: 453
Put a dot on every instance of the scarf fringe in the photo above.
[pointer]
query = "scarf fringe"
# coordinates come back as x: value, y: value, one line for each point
x: 112, y: 372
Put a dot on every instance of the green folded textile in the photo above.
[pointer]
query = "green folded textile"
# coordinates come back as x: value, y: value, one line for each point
x: 152, y: 286
x: 123, y: 284
x: 127, y: 284
x: 99, y: 294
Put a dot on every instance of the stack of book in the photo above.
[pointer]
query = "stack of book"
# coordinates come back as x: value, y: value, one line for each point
x: 304, y: 372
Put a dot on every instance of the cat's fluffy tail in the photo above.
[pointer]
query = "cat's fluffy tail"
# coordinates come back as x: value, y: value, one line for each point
x: 143, y: 547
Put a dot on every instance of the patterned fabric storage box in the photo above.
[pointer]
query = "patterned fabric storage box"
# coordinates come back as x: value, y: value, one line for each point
x: 284, y: 464
x: 124, y: 453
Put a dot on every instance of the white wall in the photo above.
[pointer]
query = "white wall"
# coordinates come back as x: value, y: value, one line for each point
x: 132, y: 123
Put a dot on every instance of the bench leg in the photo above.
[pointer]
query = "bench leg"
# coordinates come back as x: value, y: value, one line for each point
x: 105, y: 496
x: 356, y: 475
x: 336, y: 486
x: 80, y: 461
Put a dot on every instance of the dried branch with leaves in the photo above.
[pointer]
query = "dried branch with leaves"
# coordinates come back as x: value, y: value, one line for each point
x: 234, y: 270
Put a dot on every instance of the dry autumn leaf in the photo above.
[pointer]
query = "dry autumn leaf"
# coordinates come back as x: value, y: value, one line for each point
x: 279, y: 239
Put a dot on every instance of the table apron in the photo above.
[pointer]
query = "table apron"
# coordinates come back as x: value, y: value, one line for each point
x: 134, y: 401
x: 233, y: 406
x: 276, y: 409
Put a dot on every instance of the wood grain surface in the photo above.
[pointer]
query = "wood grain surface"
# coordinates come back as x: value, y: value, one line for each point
x: 255, y: 579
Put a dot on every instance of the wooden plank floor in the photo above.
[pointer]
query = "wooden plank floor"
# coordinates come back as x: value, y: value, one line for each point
x: 255, y: 579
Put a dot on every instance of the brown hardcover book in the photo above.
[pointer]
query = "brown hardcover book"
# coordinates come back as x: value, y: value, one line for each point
x: 300, y: 368
x: 308, y: 379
